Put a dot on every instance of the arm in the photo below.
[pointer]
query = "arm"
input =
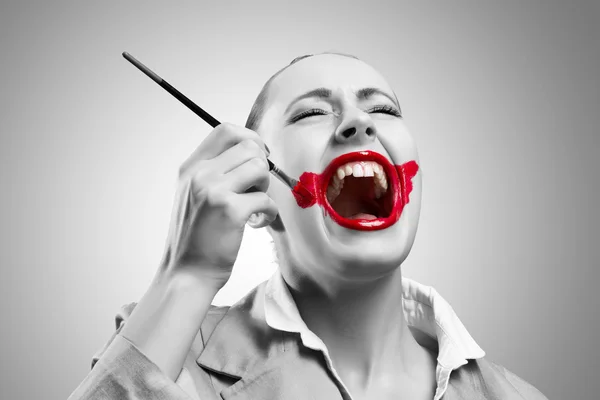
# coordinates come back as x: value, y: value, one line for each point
x: 220, y: 186
x: 166, y: 321
x: 121, y: 371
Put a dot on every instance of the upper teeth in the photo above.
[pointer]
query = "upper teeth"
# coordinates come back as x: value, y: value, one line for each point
x: 357, y: 169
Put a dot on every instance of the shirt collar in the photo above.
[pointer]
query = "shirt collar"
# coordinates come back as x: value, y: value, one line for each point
x: 426, y: 312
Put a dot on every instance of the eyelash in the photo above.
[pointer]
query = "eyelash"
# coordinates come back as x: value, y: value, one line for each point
x: 385, y: 109
x: 308, y: 113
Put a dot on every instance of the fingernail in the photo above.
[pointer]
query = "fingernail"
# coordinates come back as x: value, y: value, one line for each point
x: 268, y: 151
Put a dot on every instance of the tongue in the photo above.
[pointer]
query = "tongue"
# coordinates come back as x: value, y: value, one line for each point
x: 363, y: 216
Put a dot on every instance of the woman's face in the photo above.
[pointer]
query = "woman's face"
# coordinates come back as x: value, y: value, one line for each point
x: 319, y: 109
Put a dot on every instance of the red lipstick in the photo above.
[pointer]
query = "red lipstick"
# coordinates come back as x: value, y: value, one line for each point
x: 312, y: 189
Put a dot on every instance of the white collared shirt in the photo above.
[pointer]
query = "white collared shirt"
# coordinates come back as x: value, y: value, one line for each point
x: 424, y: 309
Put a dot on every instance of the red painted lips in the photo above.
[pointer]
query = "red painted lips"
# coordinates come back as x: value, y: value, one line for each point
x: 312, y: 190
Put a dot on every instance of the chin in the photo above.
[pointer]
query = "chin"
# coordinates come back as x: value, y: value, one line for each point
x: 374, y: 254
x: 347, y: 254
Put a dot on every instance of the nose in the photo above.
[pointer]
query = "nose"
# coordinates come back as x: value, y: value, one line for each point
x: 356, y: 126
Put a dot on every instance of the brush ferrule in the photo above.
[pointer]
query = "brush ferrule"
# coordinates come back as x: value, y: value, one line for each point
x: 283, y: 177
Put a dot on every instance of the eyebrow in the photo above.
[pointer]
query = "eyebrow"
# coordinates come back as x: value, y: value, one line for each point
x: 365, y: 93
x: 324, y: 93
x: 321, y: 92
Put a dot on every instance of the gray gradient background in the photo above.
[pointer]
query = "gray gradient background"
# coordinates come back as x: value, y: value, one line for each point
x: 502, y: 98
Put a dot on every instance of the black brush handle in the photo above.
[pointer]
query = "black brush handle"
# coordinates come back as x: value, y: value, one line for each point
x: 196, y: 109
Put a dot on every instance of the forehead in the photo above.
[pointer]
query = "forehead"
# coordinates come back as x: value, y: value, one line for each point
x: 330, y: 71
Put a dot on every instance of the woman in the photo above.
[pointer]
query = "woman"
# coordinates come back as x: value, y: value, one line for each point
x: 337, y: 320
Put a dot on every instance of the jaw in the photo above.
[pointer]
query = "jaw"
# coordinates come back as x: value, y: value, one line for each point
x: 324, y: 248
x: 374, y: 250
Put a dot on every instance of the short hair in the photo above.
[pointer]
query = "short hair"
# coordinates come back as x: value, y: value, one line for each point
x: 258, y: 108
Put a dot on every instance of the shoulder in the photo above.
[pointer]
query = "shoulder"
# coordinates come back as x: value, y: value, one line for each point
x: 498, y: 381
x: 525, y: 389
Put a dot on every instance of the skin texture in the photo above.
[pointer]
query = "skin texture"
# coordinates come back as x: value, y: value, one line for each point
x: 338, y: 275
x: 346, y: 283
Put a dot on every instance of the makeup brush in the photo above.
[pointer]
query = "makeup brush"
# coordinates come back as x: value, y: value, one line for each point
x: 282, y: 176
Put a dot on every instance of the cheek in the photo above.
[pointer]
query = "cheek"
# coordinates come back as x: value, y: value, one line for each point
x: 302, y: 150
x: 399, y: 144
x: 409, y: 220
x: 303, y: 233
x: 293, y: 216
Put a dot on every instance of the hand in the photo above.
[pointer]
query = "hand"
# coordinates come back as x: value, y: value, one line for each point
x: 220, y: 186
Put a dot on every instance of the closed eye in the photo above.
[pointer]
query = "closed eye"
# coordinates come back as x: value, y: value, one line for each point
x: 307, y: 113
x: 385, y: 109
x: 382, y: 109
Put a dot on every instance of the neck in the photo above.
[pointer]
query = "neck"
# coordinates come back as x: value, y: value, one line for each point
x: 362, y: 325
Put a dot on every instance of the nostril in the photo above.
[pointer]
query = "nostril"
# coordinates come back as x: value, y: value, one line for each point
x: 370, y: 131
x: 349, y: 132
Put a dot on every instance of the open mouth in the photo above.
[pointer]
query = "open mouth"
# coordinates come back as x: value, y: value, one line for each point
x: 360, y: 190
x: 363, y: 191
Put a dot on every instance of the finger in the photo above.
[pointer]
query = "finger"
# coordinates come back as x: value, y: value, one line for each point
x: 228, y: 135
x: 247, y: 204
x: 237, y: 155
x: 253, y: 174
x: 219, y: 140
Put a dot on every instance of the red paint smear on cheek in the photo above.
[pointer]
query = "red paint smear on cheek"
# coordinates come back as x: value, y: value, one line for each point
x: 306, y: 190
x: 406, y: 172
x: 312, y: 187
